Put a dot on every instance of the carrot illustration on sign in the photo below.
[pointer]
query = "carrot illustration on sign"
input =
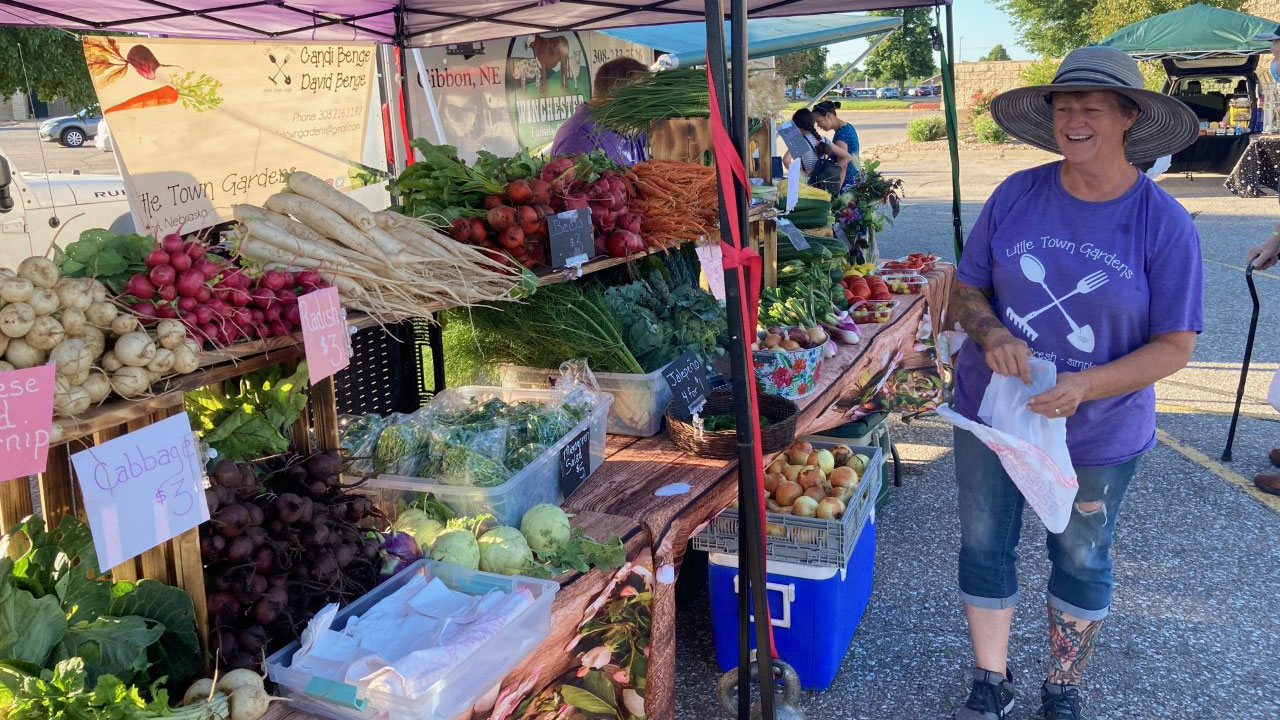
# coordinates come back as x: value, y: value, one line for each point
x: 194, y: 93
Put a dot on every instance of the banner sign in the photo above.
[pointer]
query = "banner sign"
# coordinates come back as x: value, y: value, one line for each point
x: 201, y: 125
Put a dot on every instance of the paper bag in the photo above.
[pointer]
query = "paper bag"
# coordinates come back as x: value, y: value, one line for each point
x: 1032, y: 448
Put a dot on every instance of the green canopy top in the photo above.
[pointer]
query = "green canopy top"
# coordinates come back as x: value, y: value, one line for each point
x: 1194, y: 32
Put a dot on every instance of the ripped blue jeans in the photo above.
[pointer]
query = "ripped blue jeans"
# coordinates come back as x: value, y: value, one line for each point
x: 1080, y: 582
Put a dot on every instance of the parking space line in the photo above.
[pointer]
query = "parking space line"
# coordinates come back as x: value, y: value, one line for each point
x: 1217, y: 468
x: 1256, y: 273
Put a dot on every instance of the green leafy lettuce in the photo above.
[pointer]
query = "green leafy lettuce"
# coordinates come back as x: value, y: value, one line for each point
x: 246, y: 419
x: 110, y: 257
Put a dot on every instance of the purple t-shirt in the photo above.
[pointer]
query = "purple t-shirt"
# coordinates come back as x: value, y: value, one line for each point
x: 579, y: 134
x: 1083, y: 283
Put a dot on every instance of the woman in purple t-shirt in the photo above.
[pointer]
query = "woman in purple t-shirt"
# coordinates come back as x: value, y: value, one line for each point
x: 1088, y: 264
x: 581, y: 134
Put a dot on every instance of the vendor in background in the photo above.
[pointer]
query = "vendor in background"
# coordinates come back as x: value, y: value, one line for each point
x: 1122, y: 322
x: 825, y: 165
x: 843, y: 136
x: 1263, y: 256
x: 580, y: 134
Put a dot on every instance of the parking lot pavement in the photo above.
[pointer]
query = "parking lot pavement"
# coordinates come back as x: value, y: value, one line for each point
x: 20, y: 142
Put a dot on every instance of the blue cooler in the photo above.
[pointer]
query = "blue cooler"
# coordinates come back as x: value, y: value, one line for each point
x: 815, y: 610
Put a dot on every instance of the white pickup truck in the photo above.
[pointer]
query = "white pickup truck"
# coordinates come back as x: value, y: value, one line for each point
x: 38, y: 210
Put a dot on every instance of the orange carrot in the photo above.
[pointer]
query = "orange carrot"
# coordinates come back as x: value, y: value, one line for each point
x: 165, y: 95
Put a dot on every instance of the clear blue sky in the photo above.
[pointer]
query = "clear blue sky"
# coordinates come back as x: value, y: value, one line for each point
x: 981, y: 24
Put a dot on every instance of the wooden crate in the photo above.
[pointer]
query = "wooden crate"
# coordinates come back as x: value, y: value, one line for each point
x: 177, y: 562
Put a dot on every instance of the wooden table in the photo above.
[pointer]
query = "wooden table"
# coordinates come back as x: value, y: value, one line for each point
x: 619, y: 499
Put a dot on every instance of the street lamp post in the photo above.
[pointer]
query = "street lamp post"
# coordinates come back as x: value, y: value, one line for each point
x: 960, y: 50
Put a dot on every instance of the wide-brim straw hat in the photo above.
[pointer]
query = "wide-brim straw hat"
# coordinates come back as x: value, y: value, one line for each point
x: 1164, y: 126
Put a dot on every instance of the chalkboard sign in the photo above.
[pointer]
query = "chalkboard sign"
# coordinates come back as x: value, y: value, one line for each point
x: 572, y: 238
x: 793, y: 234
x: 575, y: 462
x: 688, y: 380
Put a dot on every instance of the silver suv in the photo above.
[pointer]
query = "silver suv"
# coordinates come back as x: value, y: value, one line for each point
x: 70, y: 130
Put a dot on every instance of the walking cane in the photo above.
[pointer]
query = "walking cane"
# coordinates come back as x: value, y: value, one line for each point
x: 1244, y: 368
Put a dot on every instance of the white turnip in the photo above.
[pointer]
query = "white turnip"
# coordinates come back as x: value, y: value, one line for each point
x: 130, y: 381
x: 44, y: 301
x: 4, y: 343
x: 110, y: 362
x: 21, y: 355
x: 16, y: 289
x: 185, y: 361
x: 72, y: 320
x: 45, y: 333
x: 16, y: 319
x: 73, y: 360
x: 74, y: 293
x: 97, y: 385
x: 171, y: 334
x: 101, y: 314
x: 201, y: 689
x: 249, y: 702
x: 6, y: 366
x: 123, y: 324
x: 98, y: 291
x: 163, y: 362
x: 72, y: 402
x: 237, y: 679
x: 135, y: 349
x: 40, y: 271
x: 93, y: 339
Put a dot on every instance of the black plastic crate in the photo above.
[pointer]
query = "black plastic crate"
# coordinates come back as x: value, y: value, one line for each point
x: 389, y: 371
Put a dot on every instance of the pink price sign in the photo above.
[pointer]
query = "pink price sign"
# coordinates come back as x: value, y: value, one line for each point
x: 26, y: 418
x: 324, y: 333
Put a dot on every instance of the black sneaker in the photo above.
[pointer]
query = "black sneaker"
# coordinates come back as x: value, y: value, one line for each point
x: 1060, y: 702
x: 990, y: 697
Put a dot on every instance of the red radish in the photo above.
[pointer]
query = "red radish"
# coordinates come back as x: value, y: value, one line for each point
x: 188, y: 304
x: 263, y: 298
x: 286, y: 296
x: 166, y: 311
x: 292, y: 315
x: 519, y: 192
x: 273, y: 280
x: 273, y: 313
x: 162, y: 275
x: 258, y: 316
x: 167, y: 292
x: 156, y: 258
x: 309, y: 277
x: 194, y: 250
x: 279, y: 329
x: 221, y: 292
x: 238, y: 297
x: 172, y: 243
x: 180, y: 261
x: 478, y: 231
x: 143, y: 309
x: 204, y: 314
x: 208, y: 268
x: 189, y: 283
x: 502, y: 217
x: 203, y: 294
x: 140, y: 286
x: 493, y: 201
x: 208, y: 330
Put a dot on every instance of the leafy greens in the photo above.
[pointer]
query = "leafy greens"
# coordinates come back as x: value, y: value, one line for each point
x: 247, y: 418
x: 110, y: 257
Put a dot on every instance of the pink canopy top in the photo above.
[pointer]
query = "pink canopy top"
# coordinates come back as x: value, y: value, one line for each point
x: 426, y: 22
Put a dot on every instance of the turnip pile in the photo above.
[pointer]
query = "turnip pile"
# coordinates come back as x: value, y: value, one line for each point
x: 279, y: 548
x: 237, y: 695
x: 96, y: 348
x: 385, y: 264
x: 216, y: 302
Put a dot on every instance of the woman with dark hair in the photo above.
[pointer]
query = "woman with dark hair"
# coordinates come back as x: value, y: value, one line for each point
x: 845, y: 137
x: 824, y: 164
x: 580, y: 134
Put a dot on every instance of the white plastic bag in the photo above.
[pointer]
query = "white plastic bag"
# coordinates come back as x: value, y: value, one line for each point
x: 1031, y: 447
x: 1273, y: 392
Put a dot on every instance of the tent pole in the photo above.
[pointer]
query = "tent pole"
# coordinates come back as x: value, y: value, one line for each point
x: 953, y: 139
x: 852, y: 66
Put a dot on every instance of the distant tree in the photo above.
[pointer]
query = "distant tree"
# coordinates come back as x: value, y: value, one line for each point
x: 797, y: 67
x: 54, y: 65
x: 997, y: 53
x: 907, y: 52
x: 1111, y: 15
x: 1050, y: 28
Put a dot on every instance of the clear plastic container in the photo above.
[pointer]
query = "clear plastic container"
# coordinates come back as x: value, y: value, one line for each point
x: 638, y: 400
x: 870, y: 312
x: 904, y: 284
x: 454, y: 693
x: 538, y: 482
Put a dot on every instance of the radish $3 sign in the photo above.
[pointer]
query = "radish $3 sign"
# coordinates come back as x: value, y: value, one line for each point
x: 324, y: 333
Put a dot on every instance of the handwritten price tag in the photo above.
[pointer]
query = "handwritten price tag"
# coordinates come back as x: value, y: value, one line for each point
x: 571, y: 237
x: 324, y: 333
x: 26, y: 417
x: 688, y: 380
x: 713, y: 268
x: 575, y: 462
x: 793, y: 234
x: 141, y: 489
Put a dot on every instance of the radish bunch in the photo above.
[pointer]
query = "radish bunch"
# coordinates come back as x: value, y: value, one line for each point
x: 617, y: 228
x: 278, y: 549
x: 218, y: 302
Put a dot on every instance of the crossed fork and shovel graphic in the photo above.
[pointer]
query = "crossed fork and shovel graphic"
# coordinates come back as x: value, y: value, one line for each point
x: 1081, y: 335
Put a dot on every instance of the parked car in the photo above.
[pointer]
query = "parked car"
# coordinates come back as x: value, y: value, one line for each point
x: 887, y: 93
x: 70, y: 130
x: 866, y: 92
x: 102, y: 140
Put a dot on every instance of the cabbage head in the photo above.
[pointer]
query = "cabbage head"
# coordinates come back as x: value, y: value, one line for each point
x: 418, y: 524
x: 546, y: 528
x: 503, y: 550
x: 457, y: 546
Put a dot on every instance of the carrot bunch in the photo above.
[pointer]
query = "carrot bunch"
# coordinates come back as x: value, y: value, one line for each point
x: 677, y: 200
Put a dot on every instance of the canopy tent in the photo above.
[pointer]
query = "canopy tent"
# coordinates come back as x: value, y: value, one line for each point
x: 407, y: 22
x: 686, y: 43
x: 1196, y: 31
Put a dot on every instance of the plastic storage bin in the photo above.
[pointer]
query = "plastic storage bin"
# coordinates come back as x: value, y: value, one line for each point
x: 454, y: 693
x: 804, y: 540
x: 870, y: 431
x: 815, y: 610
x: 538, y: 482
x: 638, y: 400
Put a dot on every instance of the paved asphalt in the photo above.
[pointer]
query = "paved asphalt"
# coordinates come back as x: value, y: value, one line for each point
x: 1194, y: 631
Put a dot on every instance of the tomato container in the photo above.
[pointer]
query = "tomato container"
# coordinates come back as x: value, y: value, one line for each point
x: 873, y: 312
x: 904, y: 284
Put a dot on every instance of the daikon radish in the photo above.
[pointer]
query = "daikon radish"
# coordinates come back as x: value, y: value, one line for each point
x: 326, y: 222
x: 310, y: 186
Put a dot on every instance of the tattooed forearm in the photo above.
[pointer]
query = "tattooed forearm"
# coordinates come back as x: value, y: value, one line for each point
x: 971, y: 307
x: 1070, y: 644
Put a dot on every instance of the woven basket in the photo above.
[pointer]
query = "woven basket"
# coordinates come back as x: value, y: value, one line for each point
x: 774, y: 437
